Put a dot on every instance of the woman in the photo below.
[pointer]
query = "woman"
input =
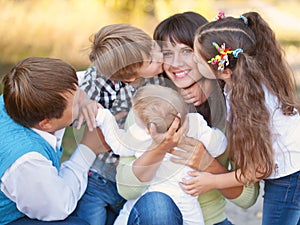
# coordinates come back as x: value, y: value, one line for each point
x: 176, y: 34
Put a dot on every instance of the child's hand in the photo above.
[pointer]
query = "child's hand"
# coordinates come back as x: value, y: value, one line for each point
x: 198, y: 92
x: 87, y: 112
x: 200, y: 183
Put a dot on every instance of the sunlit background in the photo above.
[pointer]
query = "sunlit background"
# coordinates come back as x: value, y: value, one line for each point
x: 62, y: 28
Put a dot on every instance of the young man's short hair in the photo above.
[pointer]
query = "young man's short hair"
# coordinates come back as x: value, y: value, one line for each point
x: 34, y: 89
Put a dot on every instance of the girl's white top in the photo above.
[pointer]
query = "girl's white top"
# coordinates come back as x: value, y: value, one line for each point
x: 285, y: 132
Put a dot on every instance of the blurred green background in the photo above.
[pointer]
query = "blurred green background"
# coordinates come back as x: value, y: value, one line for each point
x: 62, y: 28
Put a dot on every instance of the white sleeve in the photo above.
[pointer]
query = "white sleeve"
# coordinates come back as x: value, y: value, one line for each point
x: 121, y: 141
x: 213, y: 139
x: 40, y: 191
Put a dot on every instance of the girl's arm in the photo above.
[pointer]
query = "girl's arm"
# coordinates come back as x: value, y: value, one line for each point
x: 204, y: 181
x: 196, y: 156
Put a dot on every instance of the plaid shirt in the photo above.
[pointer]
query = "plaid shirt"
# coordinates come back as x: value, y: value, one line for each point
x: 115, y: 96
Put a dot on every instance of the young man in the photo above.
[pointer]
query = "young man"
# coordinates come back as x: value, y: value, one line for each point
x: 40, y: 98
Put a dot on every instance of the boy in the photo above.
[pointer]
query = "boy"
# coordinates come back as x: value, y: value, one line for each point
x: 40, y: 98
x: 124, y: 58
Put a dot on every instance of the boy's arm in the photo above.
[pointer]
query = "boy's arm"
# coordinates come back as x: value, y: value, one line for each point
x: 24, y: 183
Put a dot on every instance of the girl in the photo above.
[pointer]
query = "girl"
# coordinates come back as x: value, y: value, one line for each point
x: 263, y: 112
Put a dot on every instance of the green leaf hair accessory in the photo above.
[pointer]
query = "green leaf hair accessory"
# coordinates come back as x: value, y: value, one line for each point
x: 222, y: 59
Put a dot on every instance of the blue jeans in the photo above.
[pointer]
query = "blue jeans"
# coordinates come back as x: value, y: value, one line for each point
x: 224, y: 222
x: 71, y: 220
x: 282, y: 201
x: 155, y: 208
x: 101, y: 202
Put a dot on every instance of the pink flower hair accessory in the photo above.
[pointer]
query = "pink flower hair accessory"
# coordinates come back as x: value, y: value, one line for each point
x: 220, y: 16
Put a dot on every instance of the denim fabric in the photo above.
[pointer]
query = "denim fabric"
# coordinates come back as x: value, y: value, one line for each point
x: 282, y: 201
x: 101, y: 203
x: 155, y: 208
x: 71, y: 220
x: 224, y: 222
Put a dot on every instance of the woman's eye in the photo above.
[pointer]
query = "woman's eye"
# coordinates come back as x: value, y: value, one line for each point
x: 187, y: 51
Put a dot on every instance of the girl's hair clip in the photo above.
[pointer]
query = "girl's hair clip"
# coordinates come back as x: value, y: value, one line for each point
x: 220, y: 16
x: 222, y: 58
x: 236, y: 52
x: 244, y: 18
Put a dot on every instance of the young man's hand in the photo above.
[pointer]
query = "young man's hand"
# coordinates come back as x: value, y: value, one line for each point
x: 95, y: 141
x: 87, y: 112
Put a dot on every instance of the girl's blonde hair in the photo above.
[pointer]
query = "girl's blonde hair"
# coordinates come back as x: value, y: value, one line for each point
x: 261, y: 64
x: 159, y: 105
x: 119, y: 50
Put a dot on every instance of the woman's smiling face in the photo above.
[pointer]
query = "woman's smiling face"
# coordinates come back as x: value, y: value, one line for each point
x: 179, y: 64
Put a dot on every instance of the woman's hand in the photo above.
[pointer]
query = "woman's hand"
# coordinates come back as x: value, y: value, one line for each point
x: 198, y: 92
x: 200, y: 183
x: 192, y: 153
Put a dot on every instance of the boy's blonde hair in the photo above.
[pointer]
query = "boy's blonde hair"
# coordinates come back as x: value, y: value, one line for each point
x: 159, y: 105
x: 119, y: 50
